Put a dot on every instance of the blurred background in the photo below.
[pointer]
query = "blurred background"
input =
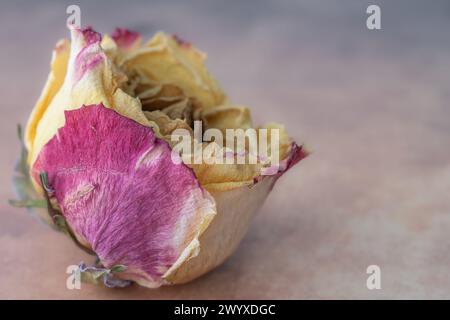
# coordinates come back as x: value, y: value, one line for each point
x: 371, y: 105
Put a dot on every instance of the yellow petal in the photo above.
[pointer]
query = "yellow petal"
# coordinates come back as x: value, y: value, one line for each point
x: 165, y: 124
x: 55, y: 80
x: 285, y: 142
x: 167, y: 61
x: 226, y: 117
x: 221, y: 177
x: 224, y: 177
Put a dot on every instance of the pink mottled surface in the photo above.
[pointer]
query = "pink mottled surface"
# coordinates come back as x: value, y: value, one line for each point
x: 90, y: 36
x: 373, y: 107
x: 89, y: 54
x: 110, y: 176
x: 125, y: 38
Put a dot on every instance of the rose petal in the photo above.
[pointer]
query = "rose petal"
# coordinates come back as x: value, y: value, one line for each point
x: 120, y: 192
x: 231, y: 176
x: 126, y: 39
x: 227, y: 117
x: 164, y: 60
x: 55, y: 80
x: 235, y: 209
x: 91, y: 78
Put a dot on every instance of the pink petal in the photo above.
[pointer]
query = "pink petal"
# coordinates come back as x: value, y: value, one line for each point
x: 86, y: 50
x: 296, y: 154
x: 125, y: 38
x: 90, y: 35
x: 119, y: 190
x: 181, y: 42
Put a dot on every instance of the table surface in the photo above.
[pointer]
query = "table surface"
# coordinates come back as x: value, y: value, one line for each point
x: 373, y: 106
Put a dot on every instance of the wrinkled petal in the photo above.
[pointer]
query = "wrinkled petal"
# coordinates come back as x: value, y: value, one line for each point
x: 222, y: 177
x: 235, y: 208
x: 55, y: 80
x: 120, y: 43
x: 165, y: 124
x: 168, y: 62
x: 126, y: 39
x: 225, y: 177
x: 226, y: 117
x: 122, y: 195
x: 285, y: 143
x: 91, y: 78
x: 181, y: 110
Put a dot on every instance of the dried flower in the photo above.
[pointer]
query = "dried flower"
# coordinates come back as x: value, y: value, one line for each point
x: 99, y: 150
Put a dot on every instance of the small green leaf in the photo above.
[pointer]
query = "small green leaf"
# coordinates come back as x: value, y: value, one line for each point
x: 30, y: 203
x: 92, y: 276
x: 32, y: 200
x: 118, y: 268
x: 27, y: 196
x: 61, y: 223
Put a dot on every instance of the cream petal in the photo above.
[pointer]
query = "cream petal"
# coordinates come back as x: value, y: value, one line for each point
x: 55, y: 80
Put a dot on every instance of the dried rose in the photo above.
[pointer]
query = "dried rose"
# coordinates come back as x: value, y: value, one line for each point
x: 100, y: 151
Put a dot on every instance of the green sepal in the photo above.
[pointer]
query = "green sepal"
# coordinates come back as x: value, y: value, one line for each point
x: 96, y: 274
x: 118, y: 268
x: 25, y: 191
x: 29, y: 198
x: 32, y: 203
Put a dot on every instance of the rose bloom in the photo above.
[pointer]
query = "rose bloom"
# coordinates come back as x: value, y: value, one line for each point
x: 99, y: 150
